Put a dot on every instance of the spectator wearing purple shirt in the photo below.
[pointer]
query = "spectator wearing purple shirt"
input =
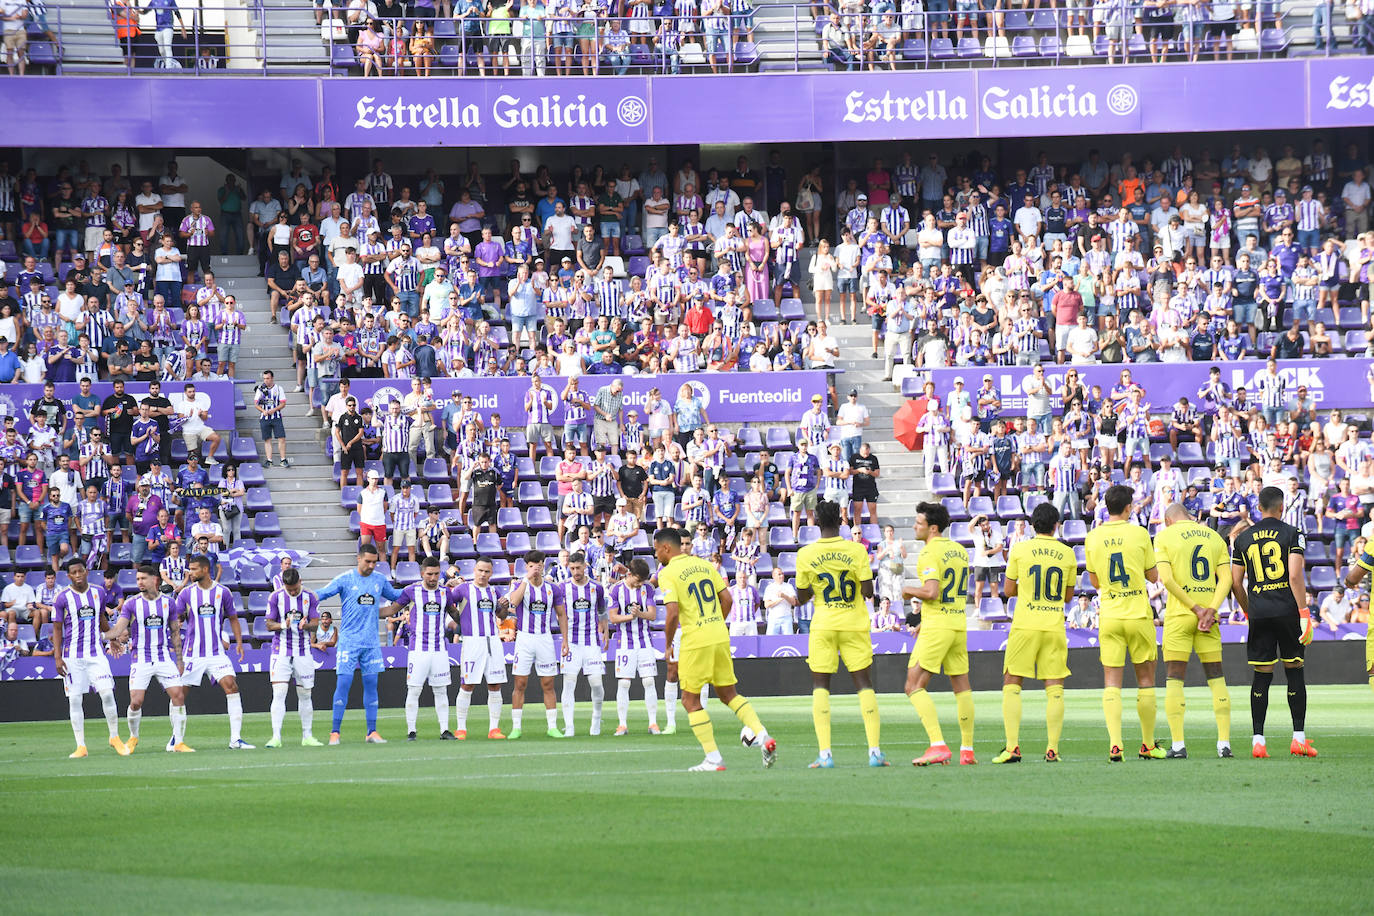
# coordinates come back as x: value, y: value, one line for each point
x: 142, y: 510
x: 468, y: 214
x: 490, y: 255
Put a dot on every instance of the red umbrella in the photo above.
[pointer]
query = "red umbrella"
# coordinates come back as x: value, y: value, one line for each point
x: 904, y: 423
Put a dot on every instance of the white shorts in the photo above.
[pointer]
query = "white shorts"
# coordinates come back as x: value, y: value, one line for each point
x: 217, y: 666
x: 630, y: 661
x: 141, y: 674
x: 744, y: 628
x: 300, y: 667
x: 403, y: 538
x: 537, y: 650
x: 483, y: 658
x: 588, y: 660
x: 433, y: 667
x: 84, y: 674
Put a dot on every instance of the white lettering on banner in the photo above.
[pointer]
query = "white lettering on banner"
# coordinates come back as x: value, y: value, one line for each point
x: 446, y: 112
x: 1344, y: 93
x: 548, y: 111
x: 786, y: 396
x: 1308, y: 377
x: 1039, y: 102
x: 506, y: 110
x: 931, y: 105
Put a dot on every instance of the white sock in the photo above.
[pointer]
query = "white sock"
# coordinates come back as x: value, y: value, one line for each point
x: 516, y: 716
x: 235, y: 703
x: 598, y: 699
x: 278, y: 709
x: 551, y: 717
x: 111, y: 708
x: 464, y: 701
x: 569, y: 695
x: 823, y: 754
x: 441, y: 705
x: 78, y: 717
x: 307, y: 710
x: 1299, y: 736
x: 705, y: 693
x: 1257, y: 740
x: 1221, y: 745
x: 714, y: 757
x: 178, y: 716
x: 1178, y: 745
x: 494, y: 706
x: 651, y: 699
x: 135, y: 717
x: 670, y: 700
x: 622, y: 700
x: 412, y: 707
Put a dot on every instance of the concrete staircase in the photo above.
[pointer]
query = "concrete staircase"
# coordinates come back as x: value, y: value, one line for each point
x: 293, y: 39
x: 87, y: 37
x: 307, y: 506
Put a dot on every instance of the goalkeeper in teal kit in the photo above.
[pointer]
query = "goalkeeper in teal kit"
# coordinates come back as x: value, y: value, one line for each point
x: 361, y: 593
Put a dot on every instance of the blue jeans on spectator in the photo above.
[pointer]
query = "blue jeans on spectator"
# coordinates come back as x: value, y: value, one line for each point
x: 138, y: 547
x: 629, y: 220
x: 653, y: 235
x: 672, y: 61
x: 849, y: 447
x: 170, y: 290
x: 66, y: 240
x: 231, y: 228
x: 804, y: 626
x: 618, y: 61
x: 1311, y: 239
x: 1272, y: 415
x: 843, y: 58
x: 1033, y: 472
x: 1042, y: 421
x: 1322, y: 17
x: 410, y: 303
x: 39, y: 251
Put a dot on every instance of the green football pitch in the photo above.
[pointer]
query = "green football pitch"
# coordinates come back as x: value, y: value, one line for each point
x: 607, y: 825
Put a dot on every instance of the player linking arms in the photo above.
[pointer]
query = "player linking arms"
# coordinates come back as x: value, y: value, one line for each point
x: 1196, y: 570
x: 360, y: 594
x: 695, y: 594
x: 1271, y: 555
x: 835, y: 573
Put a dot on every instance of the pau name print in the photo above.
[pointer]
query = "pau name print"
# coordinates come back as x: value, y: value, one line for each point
x: 506, y: 111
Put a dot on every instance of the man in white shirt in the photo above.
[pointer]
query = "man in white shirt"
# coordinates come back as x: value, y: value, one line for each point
x: 329, y: 226
x: 559, y: 231
x: 1356, y: 197
x: 195, y: 410
x: 989, y: 557
x: 1028, y: 220
x: 1082, y: 342
x: 656, y: 208
x: 779, y: 599
x: 1335, y: 609
x: 823, y: 349
x: 350, y: 277
x: 852, y: 418
x: 19, y: 600
x: 148, y: 204
x: 725, y: 195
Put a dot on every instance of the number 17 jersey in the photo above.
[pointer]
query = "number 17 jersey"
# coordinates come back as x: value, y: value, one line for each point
x: 833, y: 569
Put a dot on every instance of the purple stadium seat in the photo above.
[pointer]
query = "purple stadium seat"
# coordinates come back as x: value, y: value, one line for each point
x: 941, y: 49
x: 243, y: 448
x: 1189, y: 454
x: 444, y: 28
x: 1075, y: 531
x: 787, y: 562
x: 991, y: 610
x: 529, y: 493
x: 260, y: 631
x: 265, y: 524
x: 1135, y: 45
x: 1320, y: 577
x: 969, y: 49
x: 450, y: 57
x: 777, y: 515
x: 547, y: 541
x: 1024, y: 46
x: 435, y: 471
x: 1031, y: 500
x: 439, y: 494
x: 1009, y: 507
x: 1273, y: 41
x: 1317, y: 555
x: 257, y: 602
x: 638, y: 265
x: 808, y: 534
x: 1042, y: 20
x: 517, y: 543
x: 259, y: 499
x: 407, y: 572
x: 746, y: 53
x: 981, y: 505
x: 944, y: 485
x: 1100, y: 45
x: 509, y: 520
x: 488, y: 544
x: 955, y: 506
x: 1016, y: 21
x: 353, y: 523
x: 792, y: 310
x: 914, y: 50
x: 765, y: 310
x: 348, y: 495
x: 1159, y: 450
x: 781, y: 539
x: 778, y: 439
x: 462, y: 547
x: 28, y: 557
x: 251, y: 577
x: 748, y: 439
x: 341, y: 57
x: 959, y: 532
x: 251, y: 474
x: 7, y: 250
x: 548, y: 467
x: 1354, y: 340
x: 539, y: 518
x: 126, y: 580
x: 120, y: 555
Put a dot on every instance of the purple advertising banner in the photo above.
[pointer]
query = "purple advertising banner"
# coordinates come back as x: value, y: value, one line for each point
x: 729, y: 397
x: 1330, y: 382
x: 486, y: 112
x: 15, y: 400
x: 27, y: 669
x: 813, y: 106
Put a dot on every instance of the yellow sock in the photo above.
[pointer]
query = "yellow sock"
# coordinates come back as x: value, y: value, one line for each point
x: 1221, y: 707
x: 925, y: 708
x: 963, y: 702
x: 868, y: 708
x: 745, y: 713
x: 820, y: 716
x: 701, y: 727
x: 1111, y: 707
x: 1145, y: 708
x: 1054, y: 715
x: 1371, y: 682
x: 1011, y: 714
x: 1174, y: 707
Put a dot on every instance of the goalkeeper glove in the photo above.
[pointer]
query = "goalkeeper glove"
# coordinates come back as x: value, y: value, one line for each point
x: 1305, y: 622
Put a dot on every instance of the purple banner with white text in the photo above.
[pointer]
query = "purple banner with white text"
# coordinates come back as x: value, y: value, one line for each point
x: 16, y: 400
x: 1000, y: 101
x: 1329, y: 382
x: 26, y: 668
x: 728, y: 397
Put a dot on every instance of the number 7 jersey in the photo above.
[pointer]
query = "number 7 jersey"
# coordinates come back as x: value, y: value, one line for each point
x: 833, y: 569
x: 946, y: 562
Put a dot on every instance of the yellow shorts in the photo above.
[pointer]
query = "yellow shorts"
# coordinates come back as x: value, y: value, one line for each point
x: 1117, y: 638
x: 705, y: 665
x: 827, y: 647
x: 1182, y: 638
x: 941, y: 649
x: 1369, y: 650
x: 1041, y: 654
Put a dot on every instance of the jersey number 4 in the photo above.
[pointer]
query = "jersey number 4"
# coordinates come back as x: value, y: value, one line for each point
x: 1116, y: 570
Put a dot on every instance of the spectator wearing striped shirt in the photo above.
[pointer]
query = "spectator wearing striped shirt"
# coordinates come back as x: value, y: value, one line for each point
x: 405, y: 519
x: 1272, y: 388
x: 1310, y: 215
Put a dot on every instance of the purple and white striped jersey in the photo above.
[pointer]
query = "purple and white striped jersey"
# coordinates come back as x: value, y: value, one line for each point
x: 78, y: 614
x: 205, y: 610
x: 92, y: 517
x: 539, y: 403
x: 395, y: 432
x: 477, y: 616
x: 148, y: 619
x: 584, y: 605
x: 234, y: 325
x: 535, y: 607
x: 745, y: 608
x: 428, y: 616
x: 198, y: 229
x: 634, y: 634
x: 292, y: 610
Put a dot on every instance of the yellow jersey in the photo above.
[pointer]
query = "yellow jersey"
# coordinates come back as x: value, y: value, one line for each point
x: 833, y: 569
x: 947, y: 562
x: 1198, y: 559
x: 694, y: 586
x: 1119, y: 553
x: 1044, y: 569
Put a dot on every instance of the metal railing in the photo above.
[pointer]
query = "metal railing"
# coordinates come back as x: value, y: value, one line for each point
x: 214, y: 37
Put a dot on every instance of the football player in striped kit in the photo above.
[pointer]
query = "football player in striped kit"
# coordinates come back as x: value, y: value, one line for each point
x: 532, y: 600
x: 583, y: 601
x: 204, y: 604
x: 630, y: 606
x: 429, y: 604
x: 475, y: 605
x: 145, y: 617
x: 293, y: 615
x: 79, y: 623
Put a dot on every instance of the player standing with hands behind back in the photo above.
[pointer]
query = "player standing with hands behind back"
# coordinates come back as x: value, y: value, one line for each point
x: 695, y: 595
x: 1270, y: 555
